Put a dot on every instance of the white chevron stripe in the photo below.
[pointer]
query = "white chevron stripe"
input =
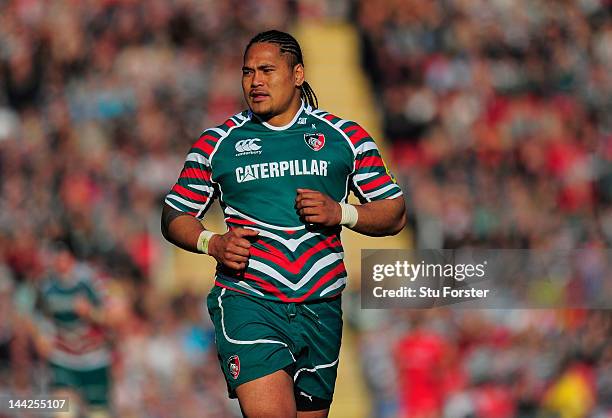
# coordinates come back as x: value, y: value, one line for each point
x: 316, y: 267
x: 338, y: 283
x: 247, y: 286
x: 197, y: 158
x: 340, y: 123
x: 217, y: 130
x: 184, y: 202
x: 292, y: 244
x: 398, y: 194
x: 381, y: 191
x: 202, y: 187
x: 167, y: 202
x: 366, y: 146
x: 231, y: 211
x: 365, y: 176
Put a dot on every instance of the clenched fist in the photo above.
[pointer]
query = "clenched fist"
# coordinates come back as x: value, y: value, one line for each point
x: 317, y: 208
x: 232, y: 248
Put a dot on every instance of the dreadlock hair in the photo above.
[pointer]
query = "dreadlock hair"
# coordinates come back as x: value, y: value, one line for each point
x: 288, y: 45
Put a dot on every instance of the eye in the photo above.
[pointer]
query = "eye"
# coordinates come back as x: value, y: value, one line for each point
x: 246, y: 72
x: 268, y: 70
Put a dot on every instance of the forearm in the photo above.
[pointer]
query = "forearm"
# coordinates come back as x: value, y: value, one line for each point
x: 181, y: 229
x: 381, y: 218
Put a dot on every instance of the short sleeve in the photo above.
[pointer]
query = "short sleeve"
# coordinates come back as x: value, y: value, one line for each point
x: 194, y: 191
x: 371, y: 179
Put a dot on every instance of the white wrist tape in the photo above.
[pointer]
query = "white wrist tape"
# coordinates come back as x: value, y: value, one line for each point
x: 349, y: 215
x: 203, y: 241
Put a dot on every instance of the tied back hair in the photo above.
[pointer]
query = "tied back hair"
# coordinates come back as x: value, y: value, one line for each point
x: 288, y: 45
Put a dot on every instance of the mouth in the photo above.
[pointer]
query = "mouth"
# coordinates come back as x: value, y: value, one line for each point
x: 258, y: 96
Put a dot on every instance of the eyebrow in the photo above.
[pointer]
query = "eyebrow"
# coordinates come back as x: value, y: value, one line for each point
x: 259, y: 67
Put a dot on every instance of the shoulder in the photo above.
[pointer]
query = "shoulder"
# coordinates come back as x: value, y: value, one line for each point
x: 210, y: 138
x: 352, y: 131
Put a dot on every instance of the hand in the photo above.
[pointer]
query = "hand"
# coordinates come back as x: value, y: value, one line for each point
x: 232, y: 248
x: 317, y: 208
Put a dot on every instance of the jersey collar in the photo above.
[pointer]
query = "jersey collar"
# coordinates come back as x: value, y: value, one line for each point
x: 284, y: 127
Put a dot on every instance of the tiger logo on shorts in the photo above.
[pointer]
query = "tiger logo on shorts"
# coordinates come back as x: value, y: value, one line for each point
x: 233, y: 364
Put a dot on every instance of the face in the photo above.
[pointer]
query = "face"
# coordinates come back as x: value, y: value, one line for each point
x: 64, y: 262
x: 268, y: 82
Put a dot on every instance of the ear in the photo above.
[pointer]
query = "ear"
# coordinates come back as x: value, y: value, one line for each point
x: 298, y: 75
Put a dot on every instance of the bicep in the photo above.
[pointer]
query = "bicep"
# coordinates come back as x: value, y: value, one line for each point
x: 392, y: 208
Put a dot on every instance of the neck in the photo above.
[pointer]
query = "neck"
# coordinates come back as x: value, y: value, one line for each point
x: 287, y: 116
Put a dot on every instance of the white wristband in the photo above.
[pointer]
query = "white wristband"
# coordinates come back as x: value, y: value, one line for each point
x: 349, y: 215
x: 203, y: 241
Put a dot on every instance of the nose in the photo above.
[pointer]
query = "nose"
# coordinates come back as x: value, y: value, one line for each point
x: 257, y: 79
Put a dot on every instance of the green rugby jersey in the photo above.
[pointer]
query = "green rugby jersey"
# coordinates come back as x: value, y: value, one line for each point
x: 78, y: 344
x: 254, y: 169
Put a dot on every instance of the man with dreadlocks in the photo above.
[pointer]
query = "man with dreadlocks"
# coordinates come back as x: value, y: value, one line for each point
x: 282, y: 171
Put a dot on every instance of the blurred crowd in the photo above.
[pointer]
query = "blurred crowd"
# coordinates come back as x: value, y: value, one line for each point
x: 488, y: 364
x: 499, y: 117
x: 498, y: 112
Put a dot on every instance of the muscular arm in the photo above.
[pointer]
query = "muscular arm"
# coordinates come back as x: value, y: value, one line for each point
x: 183, y: 230
x: 180, y: 228
x: 379, y: 218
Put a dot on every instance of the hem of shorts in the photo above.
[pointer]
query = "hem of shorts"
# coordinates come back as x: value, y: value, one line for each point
x: 232, y: 392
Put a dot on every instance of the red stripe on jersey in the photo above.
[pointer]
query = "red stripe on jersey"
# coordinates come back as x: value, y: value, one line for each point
x: 184, y: 192
x: 195, y: 173
x: 230, y: 288
x: 203, y: 143
x: 329, y: 117
x: 277, y: 257
x: 375, y: 183
x: 239, y: 221
x: 326, y: 278
x: 267, y: 286
x: 358, y: 134
x: 229, y: 123
x: 204, y: 146
x: 373, y: 161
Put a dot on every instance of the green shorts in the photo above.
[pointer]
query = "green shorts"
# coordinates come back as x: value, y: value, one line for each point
x: 92, y: 385
x: 256, y: 337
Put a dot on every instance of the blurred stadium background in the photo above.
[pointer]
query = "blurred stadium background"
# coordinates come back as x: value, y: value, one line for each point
x: 494, y: 115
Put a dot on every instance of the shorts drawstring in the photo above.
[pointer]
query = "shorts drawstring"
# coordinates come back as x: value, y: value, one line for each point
x: 293, y: 308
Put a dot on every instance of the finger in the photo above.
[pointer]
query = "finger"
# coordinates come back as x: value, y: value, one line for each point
x: 310, y: 211
x: 245, y: 232
x: 313, y: 219
x: 234, y: 249
x: 240, y: 242
x: 309, y: 203
x: 305, y: 190
x: 234, y: 265
x: 238, y: 258
x: 308, y: 195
